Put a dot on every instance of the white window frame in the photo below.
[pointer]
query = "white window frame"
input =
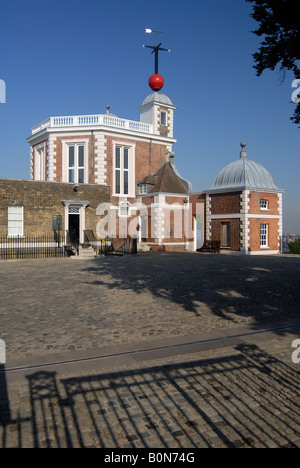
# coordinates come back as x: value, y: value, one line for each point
x: 12, y: 218
x: 264, y: 205
x: 264, y: 236
x: 131, y: 170
x: 66, y: 166
x: 143, y: 189
x: 165, y: 113
x: 76, y: 167
x: 40, y: 162
x: 124, y: 205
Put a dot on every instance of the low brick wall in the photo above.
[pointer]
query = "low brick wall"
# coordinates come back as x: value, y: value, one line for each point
x: 42, y: 200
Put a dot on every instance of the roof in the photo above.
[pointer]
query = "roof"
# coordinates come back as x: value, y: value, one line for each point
x: 158, y: 98
x: 168, y: 180
x: 244, y: 174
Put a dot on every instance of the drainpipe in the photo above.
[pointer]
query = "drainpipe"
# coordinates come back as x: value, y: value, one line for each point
x: 92, y: 157
x: 185, y: 201
x: 150, y: 157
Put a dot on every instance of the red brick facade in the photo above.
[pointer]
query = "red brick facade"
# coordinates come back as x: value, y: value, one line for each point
x: 59, y: 156
x: 246, y: 216
x: 228, y: 213
x: 256, y: 197
x: 226, y: 203
x: 273, y: 237
x: 235, y: 230
x: 148, y: 157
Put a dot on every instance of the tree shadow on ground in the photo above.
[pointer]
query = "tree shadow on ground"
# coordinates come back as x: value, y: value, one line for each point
x: 5, y: 417
x: 264, y: 289
x: 245, y: 399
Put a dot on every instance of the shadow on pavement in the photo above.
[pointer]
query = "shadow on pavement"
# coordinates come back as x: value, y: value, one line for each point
x: 233, y: 288
x: 5, y: 417
x: 246, y: 399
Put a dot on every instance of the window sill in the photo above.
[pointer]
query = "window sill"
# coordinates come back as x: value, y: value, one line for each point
x: 129, y: 195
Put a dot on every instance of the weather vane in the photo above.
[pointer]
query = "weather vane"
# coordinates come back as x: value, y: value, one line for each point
x: 156, y: 81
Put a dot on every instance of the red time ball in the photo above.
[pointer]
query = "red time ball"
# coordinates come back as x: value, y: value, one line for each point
x: 156, y: 82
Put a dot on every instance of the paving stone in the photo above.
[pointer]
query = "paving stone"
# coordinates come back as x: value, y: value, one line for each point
x: 242, y: 393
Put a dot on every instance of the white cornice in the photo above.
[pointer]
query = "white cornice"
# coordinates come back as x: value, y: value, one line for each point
x: 241, y: 189
x: 106, y: 130
x: 75, y: 203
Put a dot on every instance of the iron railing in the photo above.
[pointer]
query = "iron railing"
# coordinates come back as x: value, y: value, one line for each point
x: 101, y: 247
x: 26, y: 247
x: 128, y: 246
x: 58, y: 245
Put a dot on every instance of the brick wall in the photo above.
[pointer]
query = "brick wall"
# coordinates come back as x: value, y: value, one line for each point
x: 255, y: 233
x: 254, y: 202
x: 175, y: 200
x: 226, y: 203
x: 235, y: 232
x: 142, y: 158
x: 148, y: 156
x: 197, y: 198
x: 42, y: 200
x: 164, y: 130
x: 59, y: 156
x: 174, y: 226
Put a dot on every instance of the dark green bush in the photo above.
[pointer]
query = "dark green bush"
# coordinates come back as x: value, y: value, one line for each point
x: 294, y: 247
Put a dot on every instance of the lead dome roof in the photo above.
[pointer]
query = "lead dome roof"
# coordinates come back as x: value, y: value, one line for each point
x: 244, y: 174
x: 158, y: 98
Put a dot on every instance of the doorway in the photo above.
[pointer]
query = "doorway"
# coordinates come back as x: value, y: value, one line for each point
x: 198, y: 231
x: 74, y: 228
x: 75, y: 219
x: 225, y: 235
x: 143, y: 222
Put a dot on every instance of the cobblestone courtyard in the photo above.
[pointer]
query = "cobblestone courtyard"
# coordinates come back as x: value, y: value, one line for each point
x: 58, y: 305
x: 232, y: 385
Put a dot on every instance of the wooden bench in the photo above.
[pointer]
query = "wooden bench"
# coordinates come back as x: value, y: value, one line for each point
x: 211, y: 246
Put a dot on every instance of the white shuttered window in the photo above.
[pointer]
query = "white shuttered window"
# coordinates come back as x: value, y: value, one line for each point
x: 15, y: 221
x: 76, y: 164
x: 124, y: 171
x: 264, y: 235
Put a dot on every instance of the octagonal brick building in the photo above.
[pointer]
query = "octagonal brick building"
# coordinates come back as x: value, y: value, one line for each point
x: 244, y: 208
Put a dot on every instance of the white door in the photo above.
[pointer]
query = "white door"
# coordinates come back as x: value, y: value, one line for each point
x: 198, y: 232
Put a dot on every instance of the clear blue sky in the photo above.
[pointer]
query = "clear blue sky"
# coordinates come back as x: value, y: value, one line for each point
x: 72, y: 57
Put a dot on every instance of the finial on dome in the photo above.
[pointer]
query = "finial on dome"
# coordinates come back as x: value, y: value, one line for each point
x: 243, y: 152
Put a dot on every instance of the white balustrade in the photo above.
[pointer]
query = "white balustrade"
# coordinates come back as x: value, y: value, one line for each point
x: 41, y: 126
x: 93, y: 120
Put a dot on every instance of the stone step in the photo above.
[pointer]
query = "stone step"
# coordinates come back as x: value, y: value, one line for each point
x: 143, y: 247
x: 85, y: 253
